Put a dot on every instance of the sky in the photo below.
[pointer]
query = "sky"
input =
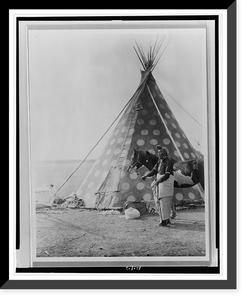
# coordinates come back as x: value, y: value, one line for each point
x: 81, y: 79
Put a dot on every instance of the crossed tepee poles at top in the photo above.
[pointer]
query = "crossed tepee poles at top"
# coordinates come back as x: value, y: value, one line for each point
x: 150, y: 60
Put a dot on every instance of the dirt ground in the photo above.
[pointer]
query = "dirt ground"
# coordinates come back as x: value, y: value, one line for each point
x: 89, y: 233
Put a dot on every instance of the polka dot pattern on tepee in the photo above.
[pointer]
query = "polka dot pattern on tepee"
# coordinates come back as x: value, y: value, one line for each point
x: 108, y: 184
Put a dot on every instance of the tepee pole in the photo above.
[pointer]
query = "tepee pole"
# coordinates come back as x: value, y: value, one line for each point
x: 139, y: 58
x: 163, y: 121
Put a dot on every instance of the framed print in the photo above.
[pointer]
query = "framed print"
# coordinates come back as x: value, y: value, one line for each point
x: 119, y: 130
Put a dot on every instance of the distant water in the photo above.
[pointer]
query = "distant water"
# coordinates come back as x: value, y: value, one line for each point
x: 56, y: 172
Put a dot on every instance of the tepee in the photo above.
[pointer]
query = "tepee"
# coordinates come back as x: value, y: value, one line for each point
x: 146, y: 122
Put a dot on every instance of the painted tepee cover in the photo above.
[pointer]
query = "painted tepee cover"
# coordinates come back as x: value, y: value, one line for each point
x: 146, y: 122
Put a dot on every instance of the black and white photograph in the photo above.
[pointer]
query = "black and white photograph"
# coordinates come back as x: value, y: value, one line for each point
x: 123, y: 162
x: 118, y: 134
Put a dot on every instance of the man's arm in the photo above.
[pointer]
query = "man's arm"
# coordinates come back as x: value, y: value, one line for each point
x: 151, y: 173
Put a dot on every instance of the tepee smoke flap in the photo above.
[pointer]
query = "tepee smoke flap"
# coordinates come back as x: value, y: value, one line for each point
x: 146, y: 122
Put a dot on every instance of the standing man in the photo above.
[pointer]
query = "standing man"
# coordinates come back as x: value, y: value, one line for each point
x: 163, y: 187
